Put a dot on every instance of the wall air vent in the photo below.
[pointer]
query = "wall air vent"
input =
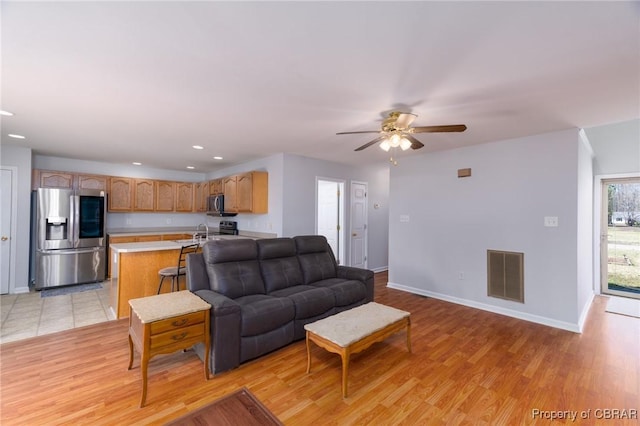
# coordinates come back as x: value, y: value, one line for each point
x: 505, y: 275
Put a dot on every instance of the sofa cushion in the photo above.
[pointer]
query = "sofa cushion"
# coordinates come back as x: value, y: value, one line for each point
x: 346, y: 292
x: 232, y: 267
x: 316, y: 258
x: 278, y: 263
x: 309, y: 301
x: 261, y: 313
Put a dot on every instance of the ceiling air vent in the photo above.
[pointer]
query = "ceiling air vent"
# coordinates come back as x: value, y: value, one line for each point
x: 505, y: 275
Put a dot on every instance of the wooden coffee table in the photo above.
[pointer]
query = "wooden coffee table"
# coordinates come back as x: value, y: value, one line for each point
x: 167, y: 323
x: 353, y: 331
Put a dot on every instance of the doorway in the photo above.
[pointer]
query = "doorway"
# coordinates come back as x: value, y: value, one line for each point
x: 330, y: 214
x: 620, y: 237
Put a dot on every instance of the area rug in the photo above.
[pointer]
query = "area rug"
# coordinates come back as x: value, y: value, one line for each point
x: 60, y: 291
x: 624, y: 306
x: 237, y: 408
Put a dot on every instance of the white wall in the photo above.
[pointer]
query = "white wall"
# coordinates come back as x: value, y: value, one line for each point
x: 299, y: 200
x: 19, y: 157
x: 453, y: 221
x: 584, y: 224
x: 616, y: 147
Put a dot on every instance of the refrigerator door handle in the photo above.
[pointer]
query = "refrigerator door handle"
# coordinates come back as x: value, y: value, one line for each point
x: 72, y: 251
x: 75, y: 231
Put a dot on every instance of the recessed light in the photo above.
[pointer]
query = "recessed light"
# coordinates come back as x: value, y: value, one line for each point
x: 217, y: 158
x: 135, y: 163
x: 198, y: 147
x: 7, y: 113
x: 11, y: 135
x: 190, y: 167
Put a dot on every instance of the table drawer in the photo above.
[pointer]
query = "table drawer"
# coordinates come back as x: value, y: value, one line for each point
x: 175, y: 323
x: 177, y: 336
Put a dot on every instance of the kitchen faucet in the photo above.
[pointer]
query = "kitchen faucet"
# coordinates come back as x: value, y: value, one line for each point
x: 206, y: 228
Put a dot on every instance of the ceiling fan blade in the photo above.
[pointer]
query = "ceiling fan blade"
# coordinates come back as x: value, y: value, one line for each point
x: 415, y: 143
x: 353, y: 133
x: 368, y: 144
x: 439, y: 129
x: 404, y: 120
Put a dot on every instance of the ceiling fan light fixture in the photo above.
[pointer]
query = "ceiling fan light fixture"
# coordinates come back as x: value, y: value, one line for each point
x: 385, y: 145
x: 394, y: 140
x: 405, y: 144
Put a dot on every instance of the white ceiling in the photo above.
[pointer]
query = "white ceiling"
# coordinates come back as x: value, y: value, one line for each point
x: 144, y: 81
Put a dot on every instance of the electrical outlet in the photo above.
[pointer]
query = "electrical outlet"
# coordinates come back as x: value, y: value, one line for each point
x: 404, y: 218
x: 551, y: 221
x: 168, y: 221
x: 128, y: 221
x: 461, y: 275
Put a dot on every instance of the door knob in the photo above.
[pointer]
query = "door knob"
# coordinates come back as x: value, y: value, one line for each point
x: 354, y: 235
x: 4, y: 238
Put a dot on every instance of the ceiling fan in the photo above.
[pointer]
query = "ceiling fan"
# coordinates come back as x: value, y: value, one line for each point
x: 395, y: 132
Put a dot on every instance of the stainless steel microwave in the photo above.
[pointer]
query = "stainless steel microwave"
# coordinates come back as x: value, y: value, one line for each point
x: 215, y: 206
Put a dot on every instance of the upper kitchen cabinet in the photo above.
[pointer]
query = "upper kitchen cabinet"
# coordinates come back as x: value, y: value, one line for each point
x: 120, y: 197
x: 165, y: 196
x: 143, y: 195
x: 51, y: 179
x: 67, y: 180
x: 247, y: 193
x: 215, y: 187
x: 200, y: 194
x: 184, y: 197
x: 92, y: 182
x: 229, y: 187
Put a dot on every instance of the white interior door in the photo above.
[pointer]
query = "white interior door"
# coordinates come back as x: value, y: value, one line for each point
x: 358, y: 241
x: 330, y: 214
x: 6, y: 203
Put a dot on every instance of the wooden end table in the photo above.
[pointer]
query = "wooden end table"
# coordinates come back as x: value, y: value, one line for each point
x: 167, y: 323
x: 352, y: 331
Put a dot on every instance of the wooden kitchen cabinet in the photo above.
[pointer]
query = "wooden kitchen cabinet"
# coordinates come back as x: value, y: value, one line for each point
x: 47, y: 179
x: 174, y: 237
x: 92, y: 182
x: 200, y: 194
x: 252, y: 193
x: 143, y: 196
x: 184, y: 197
x: 165, y: 196
x: 121, y: 194
x: 215, y: 187
x: 229, y: 189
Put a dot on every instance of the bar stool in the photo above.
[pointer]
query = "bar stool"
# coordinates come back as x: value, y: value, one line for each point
x: 175, y: 272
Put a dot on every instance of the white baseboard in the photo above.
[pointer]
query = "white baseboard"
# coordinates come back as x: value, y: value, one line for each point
x: 585, y: 312
x: 381, y: 269
x: 576, y: 328
x: 20, y: 290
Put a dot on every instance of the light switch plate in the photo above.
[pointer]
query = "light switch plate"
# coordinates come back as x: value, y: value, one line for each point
x: 551, y: 221
x: 404, y: 218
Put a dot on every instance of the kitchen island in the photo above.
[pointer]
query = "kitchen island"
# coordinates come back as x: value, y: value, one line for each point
x: 134, y: 269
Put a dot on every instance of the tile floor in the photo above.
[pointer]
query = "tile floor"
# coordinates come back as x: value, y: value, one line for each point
x: 29, y: 315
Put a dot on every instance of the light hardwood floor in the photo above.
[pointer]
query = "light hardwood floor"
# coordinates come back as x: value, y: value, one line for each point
x: 467, y: 367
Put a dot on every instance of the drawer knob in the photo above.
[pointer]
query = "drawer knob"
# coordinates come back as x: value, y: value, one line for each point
x: 180, y: 336
x: 179, y: 323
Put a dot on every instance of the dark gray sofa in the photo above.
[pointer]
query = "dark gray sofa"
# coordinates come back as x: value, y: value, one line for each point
x: 263, y: 292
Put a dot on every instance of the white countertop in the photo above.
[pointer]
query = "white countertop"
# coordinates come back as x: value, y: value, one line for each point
x: 163, y: 245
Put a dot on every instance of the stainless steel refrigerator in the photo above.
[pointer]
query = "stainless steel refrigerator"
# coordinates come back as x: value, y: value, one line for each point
x: 68, y: 237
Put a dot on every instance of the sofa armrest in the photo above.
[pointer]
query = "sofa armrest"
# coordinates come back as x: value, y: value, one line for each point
x: 359, y: 274
x: 225, y: 331
x: 196, y: 273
